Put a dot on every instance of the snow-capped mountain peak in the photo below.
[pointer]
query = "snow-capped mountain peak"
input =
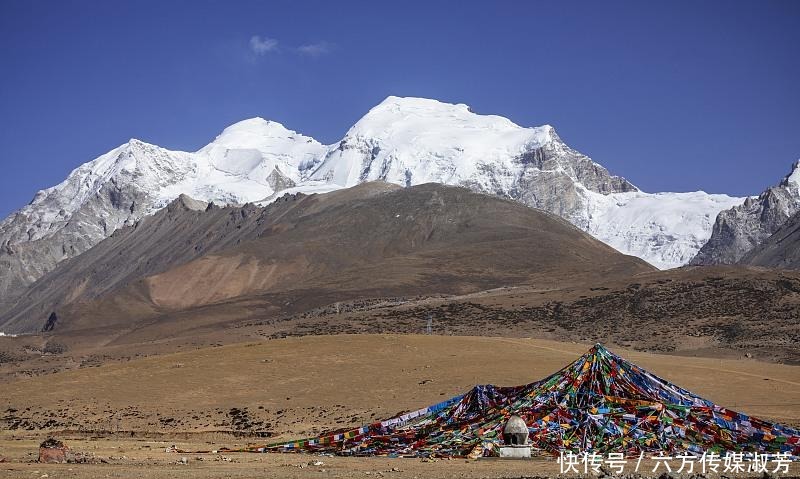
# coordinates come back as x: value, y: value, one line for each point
x: 794, y: 176
x: 416, y: 140
x: 435, y: 124
x: 264, y: 152
x: 253, y: 133
x: 406, y: 141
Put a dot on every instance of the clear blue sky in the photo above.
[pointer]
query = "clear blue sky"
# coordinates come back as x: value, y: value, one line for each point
x: 674, y: 96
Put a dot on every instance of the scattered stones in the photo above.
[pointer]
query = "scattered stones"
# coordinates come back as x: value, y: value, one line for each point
x: 53, y: 451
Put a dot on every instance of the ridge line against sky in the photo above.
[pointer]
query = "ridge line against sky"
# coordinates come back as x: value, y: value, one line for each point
x: 676, y: 96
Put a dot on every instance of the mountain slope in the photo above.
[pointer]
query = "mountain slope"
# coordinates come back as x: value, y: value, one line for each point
x: 742, y: 228
x: 781, y: 250
x: 374, y: 240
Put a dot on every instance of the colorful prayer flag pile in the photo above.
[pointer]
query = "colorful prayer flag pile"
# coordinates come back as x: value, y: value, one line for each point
x: 599, y: 403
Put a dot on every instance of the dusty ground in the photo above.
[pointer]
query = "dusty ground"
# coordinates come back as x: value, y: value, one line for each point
x: 147, y: 459
x: 287, y: 388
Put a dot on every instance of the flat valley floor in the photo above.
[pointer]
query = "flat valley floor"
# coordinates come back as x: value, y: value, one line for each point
x: 127, y: 413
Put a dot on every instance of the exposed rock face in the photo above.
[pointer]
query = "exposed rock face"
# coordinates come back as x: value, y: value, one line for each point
x: 781, y: 250
x: 51, y: 322
x: 740, y: 229
x: 55, y: 227
x: 556, y: 178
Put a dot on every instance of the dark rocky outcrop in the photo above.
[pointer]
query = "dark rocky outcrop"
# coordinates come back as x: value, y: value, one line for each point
x: 50, y: 324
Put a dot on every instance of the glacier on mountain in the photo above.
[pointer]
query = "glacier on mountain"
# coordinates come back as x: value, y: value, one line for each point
x: 406, y: 141
x: 664, y: 229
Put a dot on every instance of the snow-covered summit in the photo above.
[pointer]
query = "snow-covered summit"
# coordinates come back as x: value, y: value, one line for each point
x: 259, y: 134
x: 261, y: 157
x: 417, y: 140
x: 439, y: 121
x: 794, y: 175
x: 135, y: 162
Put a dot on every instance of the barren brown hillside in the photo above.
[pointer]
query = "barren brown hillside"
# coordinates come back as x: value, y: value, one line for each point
x: 373, y: 240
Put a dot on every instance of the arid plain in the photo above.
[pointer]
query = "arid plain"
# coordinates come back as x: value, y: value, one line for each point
x: 125, y: 413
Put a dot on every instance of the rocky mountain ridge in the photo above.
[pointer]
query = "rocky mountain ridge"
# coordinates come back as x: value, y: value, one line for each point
x: 781, y: 250
x: 740, y: 229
